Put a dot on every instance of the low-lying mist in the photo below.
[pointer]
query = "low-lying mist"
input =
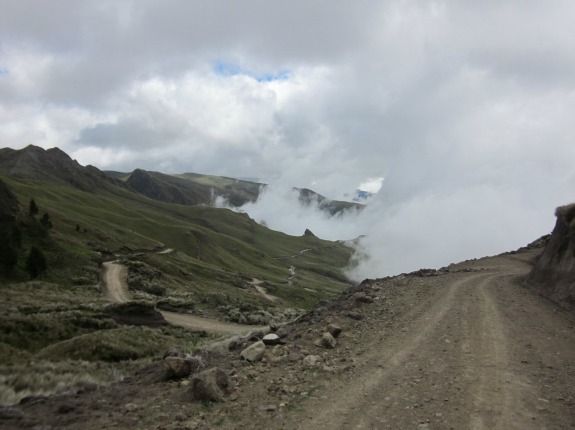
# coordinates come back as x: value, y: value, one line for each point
x: 402, y: 235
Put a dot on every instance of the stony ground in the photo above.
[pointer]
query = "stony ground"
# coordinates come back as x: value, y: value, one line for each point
x: 467, y: 347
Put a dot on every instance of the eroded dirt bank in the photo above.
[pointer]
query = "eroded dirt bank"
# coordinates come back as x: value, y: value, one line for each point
x: 467, y: 348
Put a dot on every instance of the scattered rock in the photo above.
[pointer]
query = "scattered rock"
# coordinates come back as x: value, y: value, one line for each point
x: 210, y: 385
x: 130, y: 407
x: 268, y: 408
x: 65, y: 408
x: 10, y: 413
x: 182, y: 367
x: 355, y: 316
x: 363, y: 298
x: 284, y: 331
x: 312, y: 361
x: 271, y: 339
x: 326, y: 341
x: 334, y: 330
x: 254, y: 352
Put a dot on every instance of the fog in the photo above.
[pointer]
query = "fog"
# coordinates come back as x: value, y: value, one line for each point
x: 428, y: 231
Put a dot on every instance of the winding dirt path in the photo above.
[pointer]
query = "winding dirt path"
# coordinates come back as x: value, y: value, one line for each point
x: 257, y: 284
x: 114, y: 277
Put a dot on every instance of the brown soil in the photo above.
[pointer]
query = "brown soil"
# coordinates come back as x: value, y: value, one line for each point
x: 469, y: 348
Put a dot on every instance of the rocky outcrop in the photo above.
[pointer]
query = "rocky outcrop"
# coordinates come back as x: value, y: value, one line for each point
x: 553, y: 275
x: 53, y: 165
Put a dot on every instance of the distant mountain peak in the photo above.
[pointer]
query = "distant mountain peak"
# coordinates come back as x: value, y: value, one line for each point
x: 54, y: 165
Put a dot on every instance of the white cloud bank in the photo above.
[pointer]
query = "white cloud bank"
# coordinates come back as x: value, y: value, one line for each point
x: 464, y: 107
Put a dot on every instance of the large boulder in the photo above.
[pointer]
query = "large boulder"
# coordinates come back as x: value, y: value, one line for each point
x: 254, y: 352
x: 182, y: 367
x: 553, y: 275
x: 210, y: 385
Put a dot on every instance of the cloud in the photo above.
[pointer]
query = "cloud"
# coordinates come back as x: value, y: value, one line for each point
x: 458, y: 105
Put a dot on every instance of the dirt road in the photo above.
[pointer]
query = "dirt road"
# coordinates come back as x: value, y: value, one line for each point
x: 481, y: 353
x: 257, y: 284
x: 114, y: 277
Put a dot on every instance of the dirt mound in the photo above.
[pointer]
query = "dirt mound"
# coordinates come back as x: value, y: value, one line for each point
x: 554, y: 273
x: 136, y: 313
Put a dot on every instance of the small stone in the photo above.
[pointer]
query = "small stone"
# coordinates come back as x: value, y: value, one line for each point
x: 130, y: 407
x: 269, y: 408
x: 65, y: 408
x: 181, y: 367
x: 254, y: 352
x: 326, y: 341
x: 355, y: 316
x: 312, y: 361
x: 334, y: 330
x: 271, y: 339
x: 210, y: 385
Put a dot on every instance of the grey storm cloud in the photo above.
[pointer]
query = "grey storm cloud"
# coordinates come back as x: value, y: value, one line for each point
x: 464, y: 107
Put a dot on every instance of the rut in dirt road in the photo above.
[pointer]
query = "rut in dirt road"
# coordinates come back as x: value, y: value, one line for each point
x: 477, y: 356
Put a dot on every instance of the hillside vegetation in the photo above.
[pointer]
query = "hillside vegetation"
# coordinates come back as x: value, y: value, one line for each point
x: 217, y: 253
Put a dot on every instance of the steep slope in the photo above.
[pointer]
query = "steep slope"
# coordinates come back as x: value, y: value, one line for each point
x: 8, y: 203
x: 554, y: 273
x: 54, y: 165
x: 170, y: 189
x: 236, y: 192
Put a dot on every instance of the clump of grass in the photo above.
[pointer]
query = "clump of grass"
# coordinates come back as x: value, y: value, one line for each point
x: 127, y: 343
x: 46, y: 378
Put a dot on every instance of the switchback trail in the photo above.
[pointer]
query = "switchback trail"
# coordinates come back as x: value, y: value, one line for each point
x: 114, y: 280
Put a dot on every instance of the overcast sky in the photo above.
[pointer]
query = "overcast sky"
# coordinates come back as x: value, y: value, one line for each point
x: 466, y: 108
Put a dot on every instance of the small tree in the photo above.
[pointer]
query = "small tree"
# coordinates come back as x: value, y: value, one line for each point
x: 33, y: 208
x: 78, y: 228
x: 36, y: 263
x: 45, y: 221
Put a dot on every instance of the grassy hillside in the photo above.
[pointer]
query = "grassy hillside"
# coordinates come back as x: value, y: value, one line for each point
x: 210, y: 243
x: 217, y: 253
